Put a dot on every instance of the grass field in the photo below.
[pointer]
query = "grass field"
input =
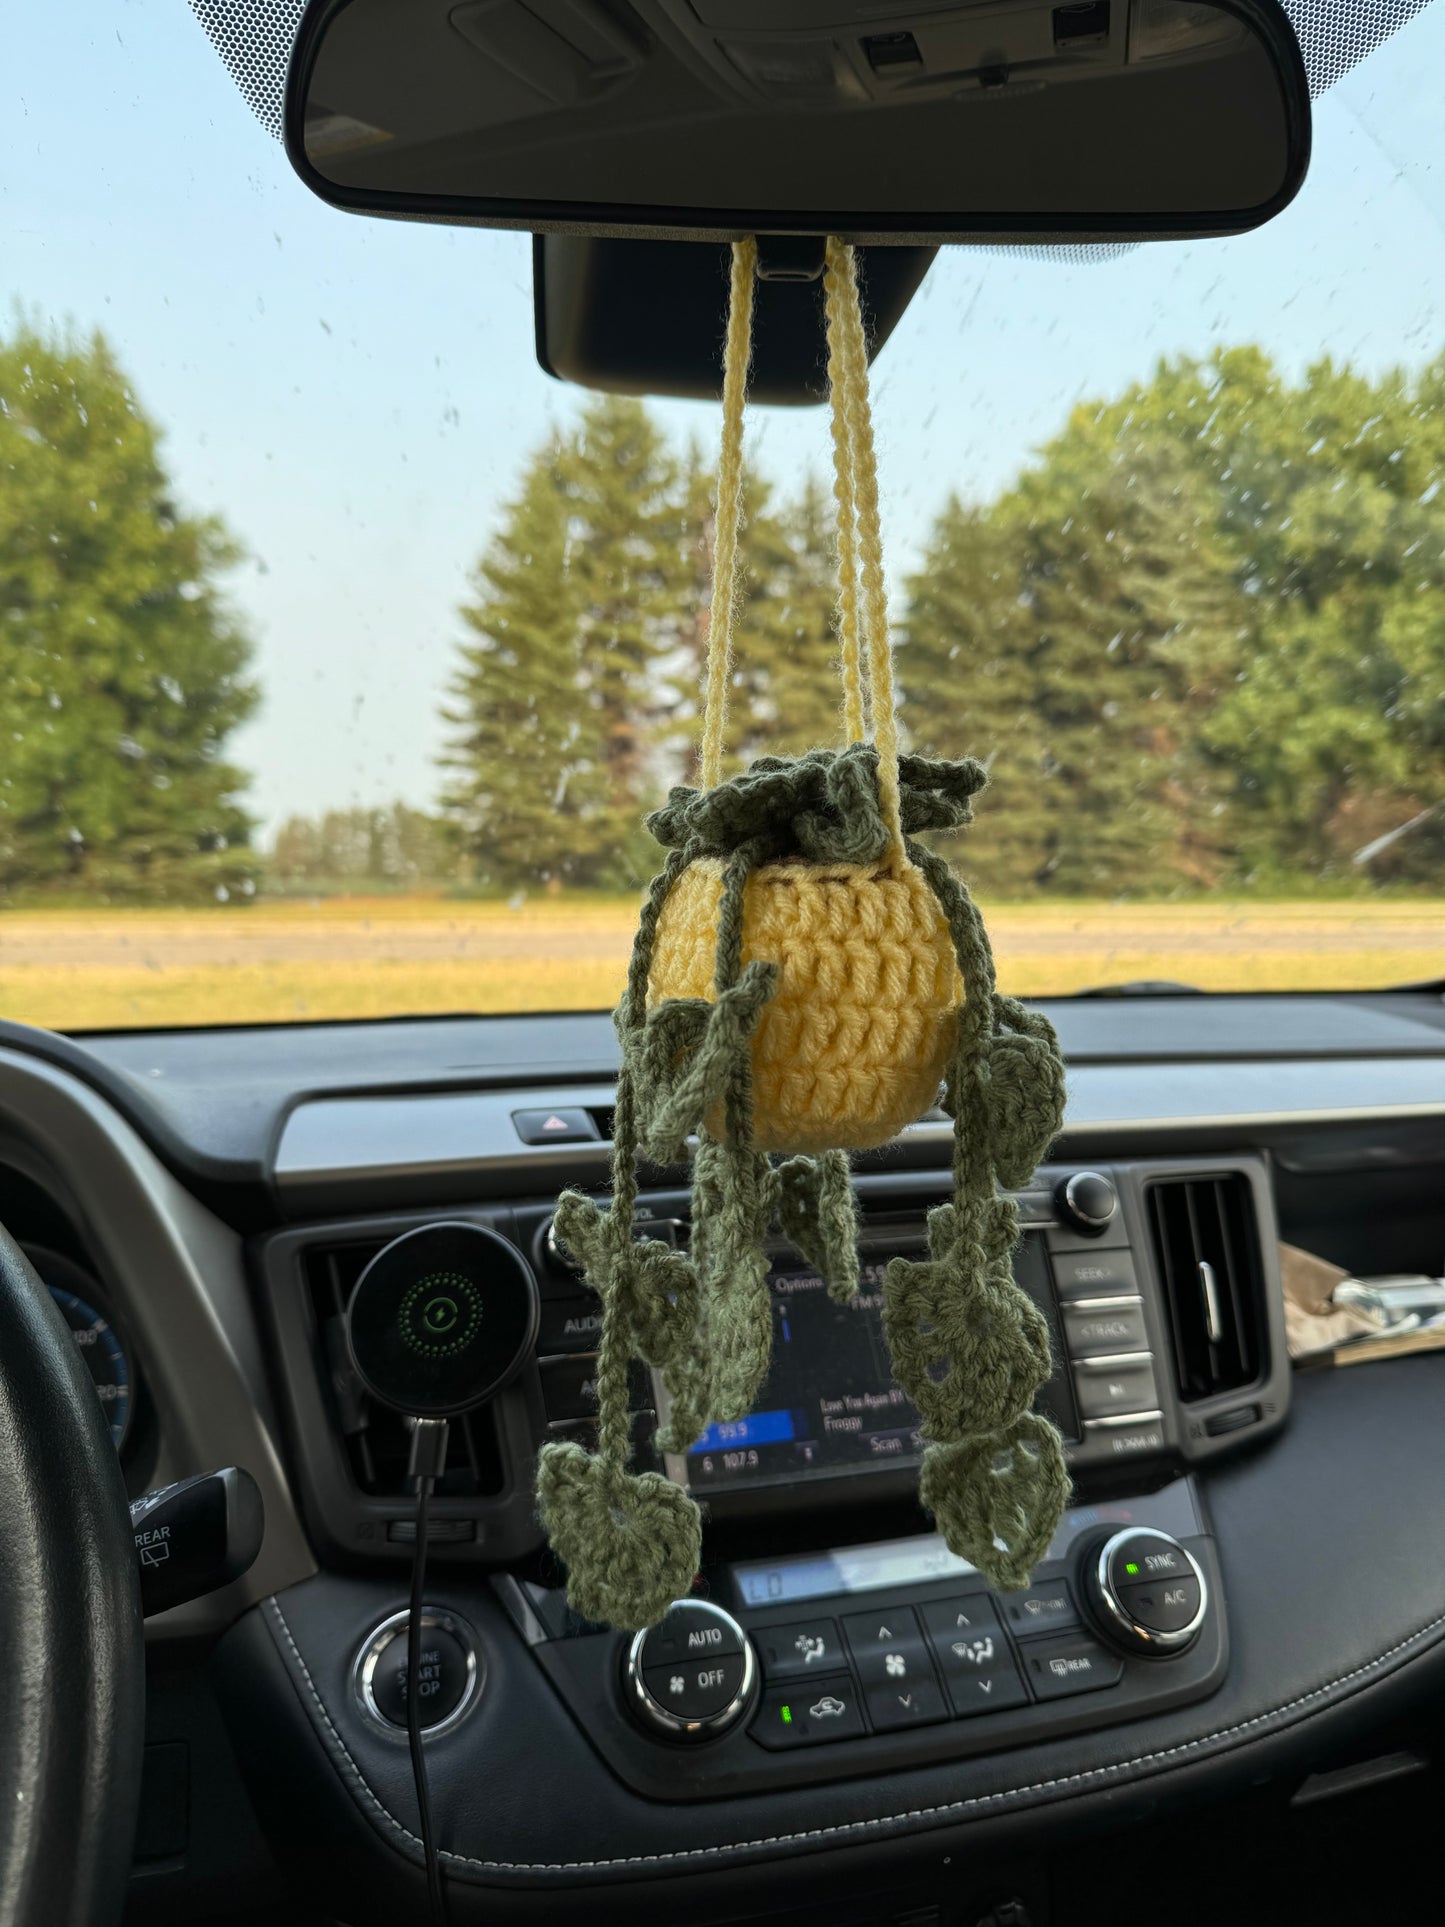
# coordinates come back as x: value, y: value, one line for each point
x: 370, y: 957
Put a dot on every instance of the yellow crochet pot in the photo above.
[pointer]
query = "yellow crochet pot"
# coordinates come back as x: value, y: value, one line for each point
x: 854, y: 1043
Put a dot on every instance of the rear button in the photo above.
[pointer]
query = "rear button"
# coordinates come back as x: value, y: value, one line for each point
x: 1058, y: 1667
x: 819, y: 1710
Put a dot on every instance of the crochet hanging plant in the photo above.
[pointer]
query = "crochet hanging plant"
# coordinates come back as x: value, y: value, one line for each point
x: 804, y: 973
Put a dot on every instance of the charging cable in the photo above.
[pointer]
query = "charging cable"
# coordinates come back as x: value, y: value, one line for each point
x: 425, y: 1465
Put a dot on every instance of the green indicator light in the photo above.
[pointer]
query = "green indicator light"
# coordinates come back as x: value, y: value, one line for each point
x: 787, y: 1713
x: 1131, y: 1567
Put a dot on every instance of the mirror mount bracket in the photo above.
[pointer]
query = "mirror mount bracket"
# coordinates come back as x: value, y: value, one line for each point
x: 791, y: 257
x: 648, y: 317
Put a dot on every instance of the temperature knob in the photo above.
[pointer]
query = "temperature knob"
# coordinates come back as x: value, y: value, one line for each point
x: 692, y: 1676
x: 1146, y: 1592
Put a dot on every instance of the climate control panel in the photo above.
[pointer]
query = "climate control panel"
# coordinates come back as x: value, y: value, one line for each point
x: 946, y: 1655
x: 872, y: 1658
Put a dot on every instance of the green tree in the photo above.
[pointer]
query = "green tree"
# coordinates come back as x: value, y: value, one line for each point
x: 529, y: 789
x: 122, y: 671
x: 626, y: 567
x: 394, y: 845
x: 792, y: 624
x: 1330, y: 496
x: 1069, y: 636
x: 783, y: 697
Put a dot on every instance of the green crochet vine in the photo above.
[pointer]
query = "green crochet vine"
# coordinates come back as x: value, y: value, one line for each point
x: 968, y: 1346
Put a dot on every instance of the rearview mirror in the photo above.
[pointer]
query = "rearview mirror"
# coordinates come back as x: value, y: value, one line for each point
x: 900, y: 121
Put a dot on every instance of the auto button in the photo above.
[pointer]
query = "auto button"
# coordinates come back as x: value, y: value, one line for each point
x: 693, y: 1629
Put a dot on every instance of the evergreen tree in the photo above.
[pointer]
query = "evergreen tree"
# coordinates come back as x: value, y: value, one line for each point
x: 395, y: 844
x: 122, y: 672
x: 1327, y: 495
x: 626, y: 567
x: 1067, y: 635
x: 965, y: 674
x: 783, y: 696
x: 796, y: 624
x: 530, y: 790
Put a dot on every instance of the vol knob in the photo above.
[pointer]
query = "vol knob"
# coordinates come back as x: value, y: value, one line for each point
x: 1146, y: 1593
x: 1087, y: 1200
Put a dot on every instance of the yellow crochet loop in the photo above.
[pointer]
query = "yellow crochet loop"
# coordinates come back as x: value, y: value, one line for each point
x: 853, y: 1045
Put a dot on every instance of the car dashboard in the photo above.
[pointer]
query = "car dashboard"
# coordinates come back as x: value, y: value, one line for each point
x: 844, y: 1722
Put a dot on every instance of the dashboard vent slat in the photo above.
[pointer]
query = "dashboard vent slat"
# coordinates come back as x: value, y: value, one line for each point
x: 1206, y: 1245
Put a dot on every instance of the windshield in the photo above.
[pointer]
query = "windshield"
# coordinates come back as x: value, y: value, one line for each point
x: 342, y: 651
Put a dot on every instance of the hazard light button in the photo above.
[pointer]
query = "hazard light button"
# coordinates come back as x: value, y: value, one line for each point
x: 556, y: 1127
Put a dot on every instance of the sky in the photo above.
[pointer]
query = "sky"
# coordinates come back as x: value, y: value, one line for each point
x: 356, y: 397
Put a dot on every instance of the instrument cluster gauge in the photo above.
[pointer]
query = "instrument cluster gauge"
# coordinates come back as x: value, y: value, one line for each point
x: 100, y: 1345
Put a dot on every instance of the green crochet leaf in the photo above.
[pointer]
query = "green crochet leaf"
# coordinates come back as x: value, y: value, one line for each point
x: 968, y: 1346
x: 630, y: 1541
x: 818, y: 1210
x: 686, y: 1054
x: 998, y: 1499
x: 822, y: 806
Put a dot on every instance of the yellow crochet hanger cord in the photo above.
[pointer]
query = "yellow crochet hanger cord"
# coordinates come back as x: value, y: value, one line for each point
x: 853, y: 1044
x: 804, y: 972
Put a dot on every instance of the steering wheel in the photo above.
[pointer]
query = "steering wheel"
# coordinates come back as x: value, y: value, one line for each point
x: 71, y: 1646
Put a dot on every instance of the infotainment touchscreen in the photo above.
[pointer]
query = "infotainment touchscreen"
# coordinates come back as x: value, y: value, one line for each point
x: 829, y: 1405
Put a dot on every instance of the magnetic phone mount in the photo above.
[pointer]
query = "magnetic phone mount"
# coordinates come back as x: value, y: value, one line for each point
x: 441, y: 1319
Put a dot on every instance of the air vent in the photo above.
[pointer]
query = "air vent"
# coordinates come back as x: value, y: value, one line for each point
x: 1207, y: 1245
x: 376, y: 1440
